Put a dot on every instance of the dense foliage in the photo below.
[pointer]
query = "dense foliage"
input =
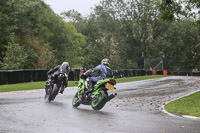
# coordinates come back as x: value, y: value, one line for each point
x: 33, y: 36
x: 125, y: 31
x: 130, y: 31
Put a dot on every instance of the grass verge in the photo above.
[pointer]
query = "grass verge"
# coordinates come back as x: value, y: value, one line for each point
x: 40, y: 85
x: 27, y: 86
x: 189, y: 105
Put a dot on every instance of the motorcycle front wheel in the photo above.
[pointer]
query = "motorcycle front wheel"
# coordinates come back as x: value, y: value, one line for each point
x: 47, y: 92
x: 75, y: 101
x: 99, y: 100
x: 53, y: 92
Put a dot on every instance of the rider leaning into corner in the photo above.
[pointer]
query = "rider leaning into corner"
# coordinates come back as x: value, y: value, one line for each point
x: 52, y: 73
x: 100, y: 72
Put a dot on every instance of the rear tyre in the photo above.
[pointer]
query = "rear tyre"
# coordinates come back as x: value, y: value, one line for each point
x: 75, y: 101
x: 99, y: 101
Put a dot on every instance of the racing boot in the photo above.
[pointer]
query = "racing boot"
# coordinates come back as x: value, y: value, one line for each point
x: 62, y: 89
x: 90, y: 87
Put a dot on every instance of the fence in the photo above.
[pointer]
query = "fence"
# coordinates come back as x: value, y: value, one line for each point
x: 21, y: 76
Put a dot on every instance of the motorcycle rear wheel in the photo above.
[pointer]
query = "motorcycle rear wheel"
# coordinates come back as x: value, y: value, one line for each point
x: 100, y: 100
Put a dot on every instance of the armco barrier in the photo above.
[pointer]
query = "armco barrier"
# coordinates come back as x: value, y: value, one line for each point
x: 20, y: 76
x: 194, y: 74
x: 29, y: 75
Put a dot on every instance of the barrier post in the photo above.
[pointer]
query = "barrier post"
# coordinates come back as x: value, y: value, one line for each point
x: 164, y: 72
x: 153, y: 72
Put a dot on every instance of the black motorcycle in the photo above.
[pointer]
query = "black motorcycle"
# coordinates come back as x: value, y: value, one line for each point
x: 54, y: 86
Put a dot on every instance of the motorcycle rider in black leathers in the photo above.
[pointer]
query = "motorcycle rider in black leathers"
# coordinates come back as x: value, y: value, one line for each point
x: 100, y: 72
x: 52, y: 73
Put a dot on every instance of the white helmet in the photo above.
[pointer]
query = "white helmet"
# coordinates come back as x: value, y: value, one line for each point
x: 106, y: 61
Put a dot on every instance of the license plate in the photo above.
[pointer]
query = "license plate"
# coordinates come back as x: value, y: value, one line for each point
x: 110, y: 87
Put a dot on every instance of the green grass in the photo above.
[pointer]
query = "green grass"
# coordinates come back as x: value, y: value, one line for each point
x: 40, y: 85
x: 27, y: 86
x: 189, y: 105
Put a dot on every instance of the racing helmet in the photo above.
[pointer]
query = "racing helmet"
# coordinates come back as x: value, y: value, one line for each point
x: 65, y: 65
x: 106, y: 61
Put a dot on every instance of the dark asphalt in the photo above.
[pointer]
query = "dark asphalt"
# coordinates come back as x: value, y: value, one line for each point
x: 136, y: 109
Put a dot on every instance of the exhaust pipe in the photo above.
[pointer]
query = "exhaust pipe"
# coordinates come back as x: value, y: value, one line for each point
x: 111, y: 96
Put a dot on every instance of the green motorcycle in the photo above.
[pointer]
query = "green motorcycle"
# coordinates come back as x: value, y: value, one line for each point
x: 96, y: 97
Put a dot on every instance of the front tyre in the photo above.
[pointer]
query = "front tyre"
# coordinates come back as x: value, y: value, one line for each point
x: 99, y: 100
x: 75, y: 101
x: 53, y: 93
x: 46, y: 93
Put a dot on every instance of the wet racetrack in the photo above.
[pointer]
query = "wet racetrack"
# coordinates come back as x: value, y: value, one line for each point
x: 136, y: 109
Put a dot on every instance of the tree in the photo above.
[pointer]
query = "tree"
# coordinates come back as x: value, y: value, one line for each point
x: 182, y: 46
x: 45, y: 38
x: 131, y: 26
x: 171, y: 10
x: 16, y: 57
x: 94, y: 48
x: 129, y: 31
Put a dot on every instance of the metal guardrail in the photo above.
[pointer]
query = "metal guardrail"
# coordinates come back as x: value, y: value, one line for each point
x: 30, y: 75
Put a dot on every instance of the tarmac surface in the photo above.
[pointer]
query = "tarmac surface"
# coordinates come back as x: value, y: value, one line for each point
x: 136, y: 109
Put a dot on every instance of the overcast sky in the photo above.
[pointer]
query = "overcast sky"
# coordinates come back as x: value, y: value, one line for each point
x: 82, y: 6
